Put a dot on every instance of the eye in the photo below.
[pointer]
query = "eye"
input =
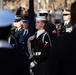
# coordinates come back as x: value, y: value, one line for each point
x: 37, y: 22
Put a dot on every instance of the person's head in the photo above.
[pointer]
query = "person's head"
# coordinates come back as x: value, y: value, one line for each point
x: 40, y: 22
x: 25, y: 24
x: 66, y: 15
x: 18, y: 21
x: 23, y: 7
x: 73, y: 13
x: 50, y: 7
x: 25, y: 20
x: 6, y: 20
x: 18, y: 24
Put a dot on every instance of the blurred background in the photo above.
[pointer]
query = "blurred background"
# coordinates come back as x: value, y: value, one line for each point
x: 44, y: 4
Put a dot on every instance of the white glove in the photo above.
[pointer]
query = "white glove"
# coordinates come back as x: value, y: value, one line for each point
x: 32, y: 64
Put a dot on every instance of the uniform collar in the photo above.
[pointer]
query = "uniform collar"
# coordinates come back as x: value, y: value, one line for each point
x: 19, y: 28
x: 39, y: 32
x: 4, y: 44
x: 25, y: 31
x: 66, y: 22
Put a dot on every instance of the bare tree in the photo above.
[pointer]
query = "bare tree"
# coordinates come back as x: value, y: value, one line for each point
x: 53, y: 3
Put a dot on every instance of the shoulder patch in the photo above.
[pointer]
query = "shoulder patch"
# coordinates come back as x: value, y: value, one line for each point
x: 54, y: 32
x: 45, y: 44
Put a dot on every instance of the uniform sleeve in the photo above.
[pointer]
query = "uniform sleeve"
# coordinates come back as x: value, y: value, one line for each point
x: 45, y: 50
x: 53, y: 32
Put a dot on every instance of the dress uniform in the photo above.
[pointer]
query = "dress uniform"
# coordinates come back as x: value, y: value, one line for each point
x: 23, y: 35
x: 66, y: 26
x: 63, y: 54
x: 42, y: 47
x: 49, y: 27
x: 18, y: 25
x: 12, y: 62
x: 17, y: 31
x: 22, y: 41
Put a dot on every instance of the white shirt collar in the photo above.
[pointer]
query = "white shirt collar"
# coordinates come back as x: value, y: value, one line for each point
x: 25, y: 31
x: 19, y: 28
x: 39, y: 32
x: 51, y: 11
x: 4, y: 44
x: 66, y: 22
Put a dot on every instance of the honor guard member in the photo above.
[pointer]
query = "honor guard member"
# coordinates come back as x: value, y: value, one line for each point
x: 63, y: 54
x: 18, y: 23
x: 42, y: 46
x: 15, y: 31
x: 49, y: 27
x: 19, y: 28
x: 12, y: 62
x: 22, y: 41
x: 66, y: 26
x: 24, y: 36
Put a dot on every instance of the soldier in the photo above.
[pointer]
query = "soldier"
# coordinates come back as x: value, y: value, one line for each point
x: 22, y: 41
x: 63, y: 54
x: 12, y: 62
x: 66, y: 27
x: 18, y: 24
x: 42, y: 46
x: 15, y: 31
x: 24, y: 36
x: 49, y: 27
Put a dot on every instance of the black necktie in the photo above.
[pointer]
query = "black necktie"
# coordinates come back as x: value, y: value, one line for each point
x: 25, y: 32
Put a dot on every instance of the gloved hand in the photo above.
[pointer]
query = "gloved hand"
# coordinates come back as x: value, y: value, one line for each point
x: 32, y: 65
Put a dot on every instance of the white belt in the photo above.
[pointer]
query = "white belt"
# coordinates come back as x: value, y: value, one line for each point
x: 37, y: 53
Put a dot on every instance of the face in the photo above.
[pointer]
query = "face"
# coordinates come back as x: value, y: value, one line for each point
x: 66, y: 17
x: 25, y: 25
x: 39, y: 24
x: 18, y: 24
x: 22, y: 9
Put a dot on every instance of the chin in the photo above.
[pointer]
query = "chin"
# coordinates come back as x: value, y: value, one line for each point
x: 37, y: 28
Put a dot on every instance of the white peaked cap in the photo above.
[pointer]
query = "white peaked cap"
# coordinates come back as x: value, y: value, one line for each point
x: 6, y: 18
x: 41, y: 18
